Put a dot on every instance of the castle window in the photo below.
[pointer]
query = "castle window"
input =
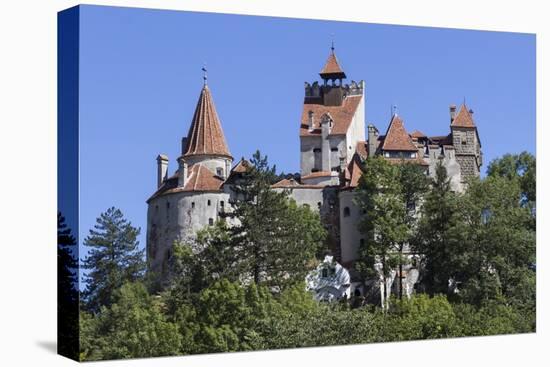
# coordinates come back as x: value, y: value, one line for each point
x: 210, y: 221
x: 346, y: 212
x: 222, y: 203
x: 333, y: 149
x: 219, y: 171
x: 314, y: 170
x: 317, y: 150
x: 324, y: 273
x: 362, y: 242
x: 192, y: 204
x: 319, y: 205
x: 209, y: 202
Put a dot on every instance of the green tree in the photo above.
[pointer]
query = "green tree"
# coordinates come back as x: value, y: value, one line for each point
x: 67, y: 290
x: 134, y: 326
x: 273, y: 239
x: 384, y: 223
x: 499, y: 244
x: 438, y: 238
x: 520, y: 167
x: 414, y: 184
x: 113, y: 259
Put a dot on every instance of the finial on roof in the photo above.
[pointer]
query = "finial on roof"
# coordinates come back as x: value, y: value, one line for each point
x: 205, y: 74
x: 332, y: 42
x: 394, y: 110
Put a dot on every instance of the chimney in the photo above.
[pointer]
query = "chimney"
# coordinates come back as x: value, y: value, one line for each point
x: 183, y: 145
x: 162, y: 169
x: 452, y: 111
x: 182, y: 172
x: 310, y: 121
x: 373, y: 140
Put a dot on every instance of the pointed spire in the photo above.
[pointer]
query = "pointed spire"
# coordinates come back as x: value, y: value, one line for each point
x: 463, y: 118
x: 205, y: 136
x: 397, y: 137
x: 332, y: 69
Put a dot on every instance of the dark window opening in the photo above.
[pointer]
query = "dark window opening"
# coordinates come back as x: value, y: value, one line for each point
x: 222, y: 204
x: 346, y: 212
x: 314, y: 170
x: 210, y: 221
x: 316, y: 150
x: 209, y: 203
x: 193, y: 204
x: 324, y: 273
x: 333, y: 149
x: 361, y: 241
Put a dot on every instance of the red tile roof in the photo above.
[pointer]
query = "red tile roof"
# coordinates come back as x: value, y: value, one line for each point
x: 199, y: 179
x: 418, y: 134
x: 202, y: 179
x: 332, y: 67
x: 242, y: 166
x: 397, y: 137
x: 463, y: 118
x: 362, y: 149
x: 355, y: 171
x: 341, y: 116
x: 293, y: 184
x: 205, y: 134
x: 317, y: 174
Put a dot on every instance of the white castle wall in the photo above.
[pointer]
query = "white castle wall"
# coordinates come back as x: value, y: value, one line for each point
x: 176, y: 217
x: 350, y: 237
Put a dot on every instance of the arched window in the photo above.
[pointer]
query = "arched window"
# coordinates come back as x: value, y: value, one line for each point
x: 192, y: 205
x: 346, y: 212
x: 209, y: 202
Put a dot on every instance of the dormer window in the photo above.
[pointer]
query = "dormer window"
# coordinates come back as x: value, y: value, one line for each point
x: 219, y: 171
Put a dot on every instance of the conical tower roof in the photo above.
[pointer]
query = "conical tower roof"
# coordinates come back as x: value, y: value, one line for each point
x: 332, y: 69
x: 463, y: 118
x: 205, y: 136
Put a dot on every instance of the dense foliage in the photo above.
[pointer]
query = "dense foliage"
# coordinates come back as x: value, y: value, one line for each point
x: 227, y: 294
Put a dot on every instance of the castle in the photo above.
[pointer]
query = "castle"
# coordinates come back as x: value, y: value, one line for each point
x: 333, y: 148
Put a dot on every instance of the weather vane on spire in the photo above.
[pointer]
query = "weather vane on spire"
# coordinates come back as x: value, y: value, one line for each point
x: 205, y: 75
x: 332, y: 42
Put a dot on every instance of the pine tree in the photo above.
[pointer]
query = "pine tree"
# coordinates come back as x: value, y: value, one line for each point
x: 274, y: 239
x: 113, y: 259
x: 67, y: 290
x: 438, y: 238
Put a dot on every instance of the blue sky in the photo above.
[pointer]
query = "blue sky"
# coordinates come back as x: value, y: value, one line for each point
x: 140, y: 78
